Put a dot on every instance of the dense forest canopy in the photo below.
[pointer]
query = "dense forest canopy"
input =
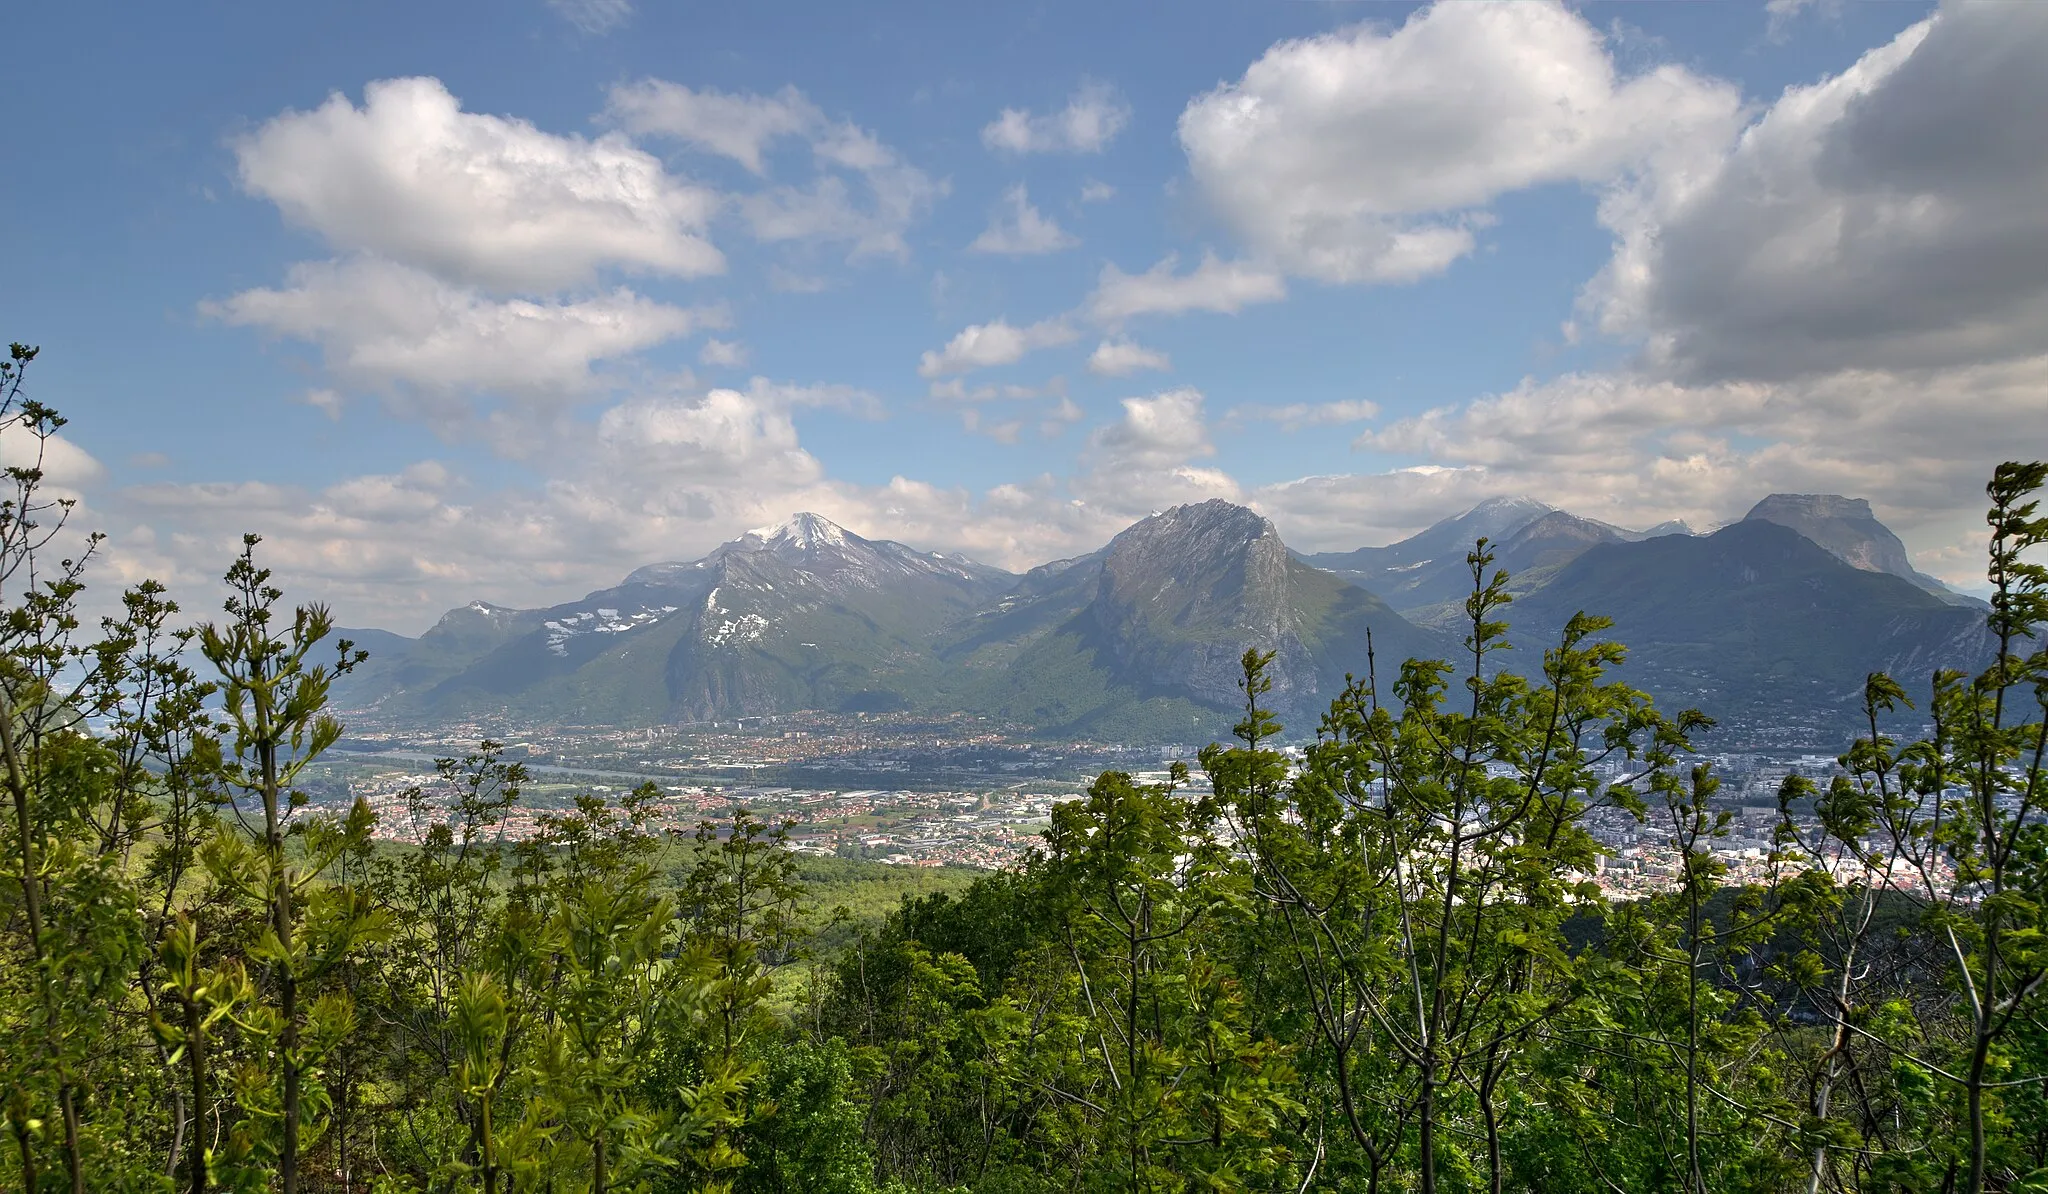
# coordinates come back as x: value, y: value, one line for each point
x: 1386, y: 967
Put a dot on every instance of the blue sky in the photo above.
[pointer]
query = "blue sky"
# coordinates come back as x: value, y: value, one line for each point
x: 501, y: 300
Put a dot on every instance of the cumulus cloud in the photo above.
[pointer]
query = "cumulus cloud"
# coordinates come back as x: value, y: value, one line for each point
x: 737, y: 125
x: 1855, y: 225
x: 1020, y: 230
x: 1144, y: 460
x: 1214, y: 285
x: 1090, y: 121
x: 1222, y: 286
x: 983, y: 345
x: 658, y: 476
x: 66, y: 467
x: 722, y: 353
x: 742, y: 125
x: 1003, y: 431
x: 1121, y: 356
x: 389, y: 326
x: 1060, y: 417
x: 1637, y: 449
x: 1296, y: 415
x: 1782, y: 13
x: 1370, y: 155
x: 486, y: 200
x: 1094, y: 191
x: 725, y: 433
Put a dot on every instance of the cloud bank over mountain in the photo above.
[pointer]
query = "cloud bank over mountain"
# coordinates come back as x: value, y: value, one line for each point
x: 1819, y: 287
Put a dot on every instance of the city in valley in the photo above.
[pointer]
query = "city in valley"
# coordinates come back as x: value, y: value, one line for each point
x: 952, y: 791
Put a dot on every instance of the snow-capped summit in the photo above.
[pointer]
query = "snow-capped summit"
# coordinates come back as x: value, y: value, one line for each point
x: 803, y: 530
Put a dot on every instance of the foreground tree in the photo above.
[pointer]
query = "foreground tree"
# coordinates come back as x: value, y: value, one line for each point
x: 1954, y: 823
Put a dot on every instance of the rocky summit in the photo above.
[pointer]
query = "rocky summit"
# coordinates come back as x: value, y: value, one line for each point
x: 1142, y: 638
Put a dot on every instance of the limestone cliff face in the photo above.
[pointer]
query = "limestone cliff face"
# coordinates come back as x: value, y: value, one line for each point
x: 1184, y: 593
x: 1845, y: 526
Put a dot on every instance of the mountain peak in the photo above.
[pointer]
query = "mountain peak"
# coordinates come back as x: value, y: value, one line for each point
x: 1780, y: 507
x: 1848, y: 529
x: 803, y: 530
x: 1509, y: 504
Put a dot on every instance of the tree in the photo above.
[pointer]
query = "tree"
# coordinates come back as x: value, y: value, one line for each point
x: 275, y: 701
x: 1960, y: 817
x: 1423, y: 863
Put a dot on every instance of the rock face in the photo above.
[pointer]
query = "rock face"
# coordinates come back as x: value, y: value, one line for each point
x: 1426, y: 576
x: 1183, y: 593
x: 802, y: 614
x: 807, y: 615
x: 1755, y: 621
x: 1400, y: 568
x: 1145, y: 636
x: 1141, y: 638
x: 1848, y: 530
x: 1777, y: 616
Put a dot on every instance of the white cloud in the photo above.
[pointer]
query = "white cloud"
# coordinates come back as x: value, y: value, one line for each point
x: 1120, y: 357
x: 1163, y: 429
x: 482, y: 199
x: 66, y: 467
x: 1783, y: 12
x: 1094, y: 191
x: 1144, y: 460
x: 1090, y: 121
x: 384, y: 325
x: 1212, y: 286
x: 726, y: 433
x: 956, y: 390
x: 1886, y: 217
x: 1369, y: 155
x: 1005, y: 431
x: 1296, y: 415
x: 666, y: 476
x: 1020, y: 230
x: 826, y: 211
x: 984, y: 345
x: 324, y: 400
x: 594, y: 16
x: 744, y: 125
x: 722, y: 353
x: 1225, y: 287
x: 736, y: 125
x: 658, y: 476
x: 1639, y: 449
x: 1060, y: 417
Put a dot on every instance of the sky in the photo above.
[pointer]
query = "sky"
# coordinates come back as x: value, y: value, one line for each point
x: 498, y: 301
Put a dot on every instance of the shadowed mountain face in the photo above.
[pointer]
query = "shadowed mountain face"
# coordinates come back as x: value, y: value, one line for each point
x: 1141, y: 639
x: 1184, y: 593
x: 798, y: 615
x: 1145, y: 636
x: 1434, y: 593
x: 1850, y: 532
x: 1755, y: 621
x: 1416, y: 564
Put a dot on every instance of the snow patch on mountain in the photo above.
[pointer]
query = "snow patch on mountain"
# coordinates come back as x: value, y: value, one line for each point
x: 598, y: 621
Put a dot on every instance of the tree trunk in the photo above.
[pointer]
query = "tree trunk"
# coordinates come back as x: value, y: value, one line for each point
x: 32, y: 901
x: 28, y: 1155
x: 195, y: 1061
x: 1978, y: 1057
x: 1426, y: 1114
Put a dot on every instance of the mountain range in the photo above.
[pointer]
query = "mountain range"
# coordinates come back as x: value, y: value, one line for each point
x: 1778, y: 615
